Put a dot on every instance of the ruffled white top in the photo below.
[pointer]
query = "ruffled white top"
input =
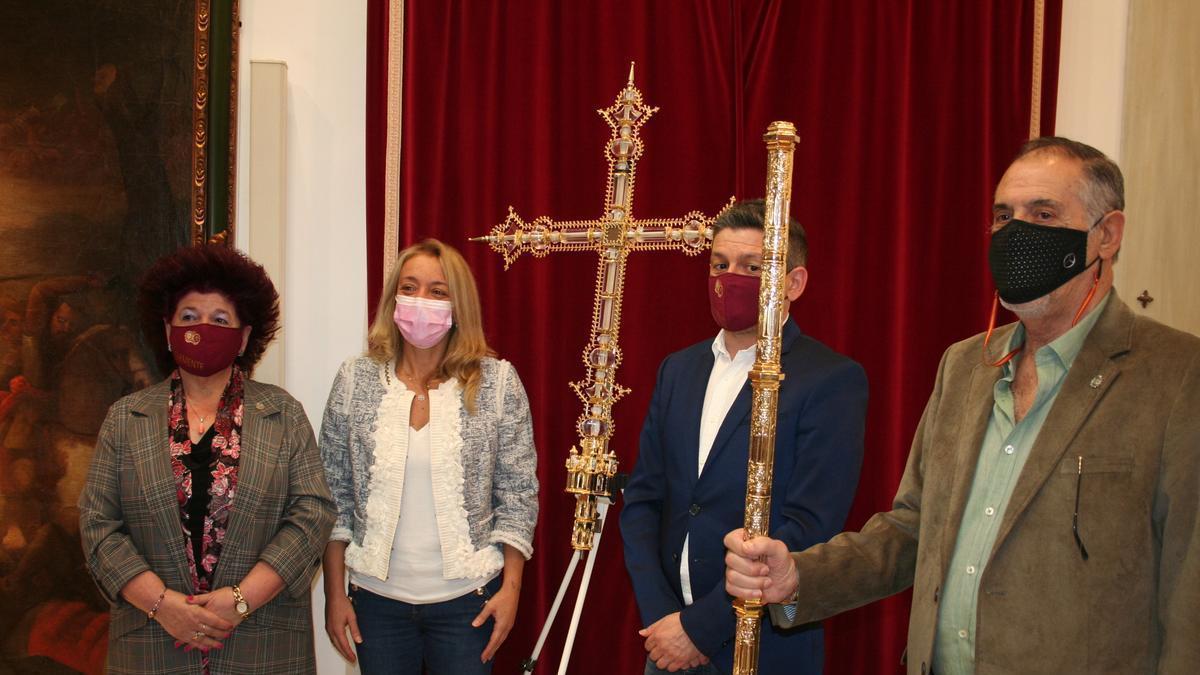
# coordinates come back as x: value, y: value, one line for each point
x: 415, y: 568
x: 460, y: 559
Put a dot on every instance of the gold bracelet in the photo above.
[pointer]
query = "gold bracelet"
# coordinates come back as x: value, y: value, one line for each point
x: 239, y: 602
x: 154, y: 610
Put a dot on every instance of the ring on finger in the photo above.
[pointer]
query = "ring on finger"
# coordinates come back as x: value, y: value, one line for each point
x: 197, y: 635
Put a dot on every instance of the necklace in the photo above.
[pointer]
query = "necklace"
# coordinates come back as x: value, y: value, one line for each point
x: 203, y: 418
x: 403, y: 379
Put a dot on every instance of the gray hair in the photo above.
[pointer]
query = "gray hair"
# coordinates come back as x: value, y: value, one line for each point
x: 1104, y: 186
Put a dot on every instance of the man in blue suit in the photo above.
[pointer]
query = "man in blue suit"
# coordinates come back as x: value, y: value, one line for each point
x: 689, y: 485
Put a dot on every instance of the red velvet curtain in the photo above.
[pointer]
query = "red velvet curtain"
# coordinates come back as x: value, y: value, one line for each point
x: 908, y: 112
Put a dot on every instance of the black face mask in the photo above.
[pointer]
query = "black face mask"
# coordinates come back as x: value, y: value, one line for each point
x: 1029, y: 261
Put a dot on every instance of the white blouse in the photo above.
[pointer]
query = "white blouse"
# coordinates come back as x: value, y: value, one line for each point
x: 415, y: 566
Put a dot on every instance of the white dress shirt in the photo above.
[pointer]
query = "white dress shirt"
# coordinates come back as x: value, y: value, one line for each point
x: 724, y: 384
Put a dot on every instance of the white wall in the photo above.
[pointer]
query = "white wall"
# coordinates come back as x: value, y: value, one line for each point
x: 1091, y: 73
x: 324, y: 292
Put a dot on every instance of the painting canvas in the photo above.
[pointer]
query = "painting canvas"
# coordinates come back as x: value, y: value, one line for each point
x: 96, y: 182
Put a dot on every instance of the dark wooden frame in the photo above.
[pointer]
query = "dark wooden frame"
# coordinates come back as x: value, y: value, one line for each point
x: 214, y: 121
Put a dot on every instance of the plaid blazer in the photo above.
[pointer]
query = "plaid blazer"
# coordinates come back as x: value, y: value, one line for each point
x: 129, y: 522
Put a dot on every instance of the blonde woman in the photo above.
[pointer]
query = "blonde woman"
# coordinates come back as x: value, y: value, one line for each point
x: 428, y: 450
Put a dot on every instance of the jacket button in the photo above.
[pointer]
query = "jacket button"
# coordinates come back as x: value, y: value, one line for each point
x: 675, y: 556
x: 924, y: 668
x: 937, y: 594
x: 258, y: 406
x: 694, y: 509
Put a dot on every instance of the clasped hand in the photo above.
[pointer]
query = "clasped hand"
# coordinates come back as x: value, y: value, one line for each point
x: 669, y: 646
x: 200, y: 621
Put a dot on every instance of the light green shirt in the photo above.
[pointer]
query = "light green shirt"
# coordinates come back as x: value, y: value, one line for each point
x: 1006, y: 446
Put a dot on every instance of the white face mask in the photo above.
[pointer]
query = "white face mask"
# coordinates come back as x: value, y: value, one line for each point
x: 421, y: 321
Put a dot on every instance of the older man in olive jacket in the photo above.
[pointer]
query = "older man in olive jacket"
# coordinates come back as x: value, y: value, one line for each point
x: 1047, y: 517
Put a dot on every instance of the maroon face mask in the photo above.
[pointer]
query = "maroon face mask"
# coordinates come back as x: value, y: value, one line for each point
x: 205, y: 349
x: 733, y: 299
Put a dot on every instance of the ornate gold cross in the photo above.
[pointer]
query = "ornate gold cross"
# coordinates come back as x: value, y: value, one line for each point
x: 592, y: 465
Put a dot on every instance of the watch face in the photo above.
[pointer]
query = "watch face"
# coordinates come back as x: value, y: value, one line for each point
x: 242, y: 607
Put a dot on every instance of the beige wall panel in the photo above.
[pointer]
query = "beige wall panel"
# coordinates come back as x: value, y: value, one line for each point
x: 1161, y: 161
x: 268, y: 191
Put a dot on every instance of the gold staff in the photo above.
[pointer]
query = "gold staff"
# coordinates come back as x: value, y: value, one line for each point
x: 766, y: 375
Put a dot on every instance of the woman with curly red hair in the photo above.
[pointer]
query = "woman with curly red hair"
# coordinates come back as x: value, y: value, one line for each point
x: 206, y: 507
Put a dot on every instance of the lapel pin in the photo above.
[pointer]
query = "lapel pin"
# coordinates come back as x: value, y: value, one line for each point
x: 1096, y: 381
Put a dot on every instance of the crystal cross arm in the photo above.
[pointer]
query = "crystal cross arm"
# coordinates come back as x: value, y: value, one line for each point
x: 514, y: 237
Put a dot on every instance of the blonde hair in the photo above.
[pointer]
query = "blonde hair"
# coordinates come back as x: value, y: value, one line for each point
x: 467, y: 345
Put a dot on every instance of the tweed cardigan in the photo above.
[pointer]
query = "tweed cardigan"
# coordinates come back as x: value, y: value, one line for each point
x: 483, y: 464
x: 129, y: 523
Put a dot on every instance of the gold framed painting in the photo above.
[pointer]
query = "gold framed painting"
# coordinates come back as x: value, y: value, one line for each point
x: 117, y: 145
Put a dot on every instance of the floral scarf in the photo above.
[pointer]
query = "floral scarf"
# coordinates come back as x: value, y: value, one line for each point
x: 226, y: 447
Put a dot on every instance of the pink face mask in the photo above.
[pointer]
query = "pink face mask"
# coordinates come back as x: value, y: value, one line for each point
x: 733, y: 299
x: 421, y: 321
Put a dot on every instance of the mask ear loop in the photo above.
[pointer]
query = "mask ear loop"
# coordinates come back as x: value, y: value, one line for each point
x: 1095, y: 281
x: 1091, y: 293
x: 996, y: 303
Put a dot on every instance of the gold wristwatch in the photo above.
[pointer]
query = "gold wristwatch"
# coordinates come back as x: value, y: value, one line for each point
x: 239, y: 603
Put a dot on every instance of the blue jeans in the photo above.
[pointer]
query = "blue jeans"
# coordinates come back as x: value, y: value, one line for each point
x: 399, y: 637
x: 706, y: 669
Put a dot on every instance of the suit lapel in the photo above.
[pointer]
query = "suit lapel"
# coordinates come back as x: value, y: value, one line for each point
x: 695, y: 384
x: 255, y: 463
x: 740, y: 409
x: 152, y: 463
x: 1089, y: 379
x: 973, y: 420
x: 969, y: 438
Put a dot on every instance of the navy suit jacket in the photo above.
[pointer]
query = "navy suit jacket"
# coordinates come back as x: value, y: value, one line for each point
x: 818, y: 454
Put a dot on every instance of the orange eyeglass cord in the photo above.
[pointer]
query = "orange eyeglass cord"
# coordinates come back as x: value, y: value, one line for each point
x: 996, y: 304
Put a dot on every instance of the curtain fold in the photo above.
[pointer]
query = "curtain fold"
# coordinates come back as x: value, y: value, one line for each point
x: 908, y: 112
x: 377, y: 129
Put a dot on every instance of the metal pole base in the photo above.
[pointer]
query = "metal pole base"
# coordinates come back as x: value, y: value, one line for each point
x: 530, y: 663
